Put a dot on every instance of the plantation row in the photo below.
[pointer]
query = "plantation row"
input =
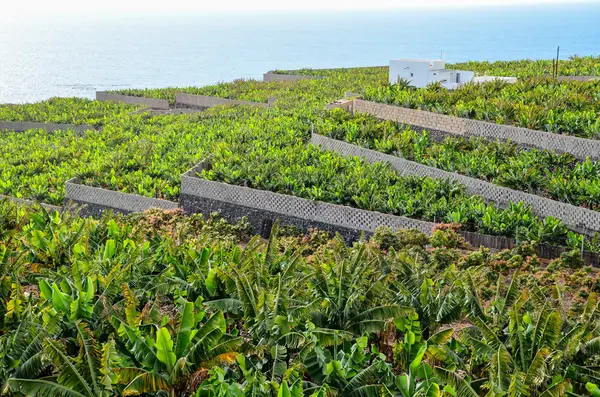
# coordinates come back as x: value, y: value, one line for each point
x: 150, y: 161
x: 571, y: 108
x: 160, y: 304
x: 66, y: 111
x: 260, y: 148
x: 574, y: 66
x: 559, y: 177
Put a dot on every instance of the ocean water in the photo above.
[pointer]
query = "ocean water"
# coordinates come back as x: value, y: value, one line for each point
x: 76, y: 57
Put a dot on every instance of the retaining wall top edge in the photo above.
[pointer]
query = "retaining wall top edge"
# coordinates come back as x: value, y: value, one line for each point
x: 45, y: 124
x: 30, y: 202
x: 208, y: 97
x: 531, y: 199
x: 160, y: 203
x: 163, y: 102
x: 204, y: 164
x: 222, y: 185
x: 552, y: 135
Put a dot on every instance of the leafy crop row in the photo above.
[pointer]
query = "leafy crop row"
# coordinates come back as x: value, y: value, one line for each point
x: 160, y: 304
x: 574, y: 66
x: 571, y: 108
x: 326, y: 176
x: 559, y: 177
x: 65, y: 110
x: 262, y: 148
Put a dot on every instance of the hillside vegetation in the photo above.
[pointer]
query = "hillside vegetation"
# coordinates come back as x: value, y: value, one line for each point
x: 163, y: 304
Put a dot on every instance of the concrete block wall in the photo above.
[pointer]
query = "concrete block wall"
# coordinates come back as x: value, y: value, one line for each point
x: 579, y: 147
x: 577, y: 218
x: 22, y: 126
x: 262, y: 207
x: 205, y: 102
x: 132, y: 100
x: 93, y: 201
x: 577, y: 78
x: 30, y: 203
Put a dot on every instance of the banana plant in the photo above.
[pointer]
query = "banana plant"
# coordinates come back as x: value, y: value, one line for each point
x: 418, y: 378
x: 165, y: 358
x: 89, y: 374
x: 74, y: 302
x: 356, y: 372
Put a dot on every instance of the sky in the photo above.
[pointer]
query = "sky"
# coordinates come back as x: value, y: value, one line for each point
x: 85, y: 7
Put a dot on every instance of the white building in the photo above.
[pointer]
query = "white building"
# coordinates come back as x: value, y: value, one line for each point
x: 421, y: 72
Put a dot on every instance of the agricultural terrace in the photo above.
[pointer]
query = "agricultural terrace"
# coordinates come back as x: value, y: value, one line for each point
x: 574, y: 66
x: 162, y: 304
x: 144, y: 153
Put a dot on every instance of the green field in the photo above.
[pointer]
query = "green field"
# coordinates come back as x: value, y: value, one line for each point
x: 163, y: 304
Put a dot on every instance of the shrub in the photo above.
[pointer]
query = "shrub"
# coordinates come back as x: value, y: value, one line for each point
x: 386, y: 238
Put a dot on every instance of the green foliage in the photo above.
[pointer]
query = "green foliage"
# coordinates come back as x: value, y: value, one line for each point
x: 164, y: 304
x: 386, y: 238
x: 557, y: 176
x: 153, y: 305
x: 567, y: 107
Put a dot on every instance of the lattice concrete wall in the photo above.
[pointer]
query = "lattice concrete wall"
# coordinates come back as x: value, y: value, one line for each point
x: 22, y: 126
x: 577, y: 218
x: 96, y: 200
x: 30, y: 203
x: 579, y: 147
x: 149, y: 102
x: 577, y: 78
x: 203, y: 101
x: 295, y: 207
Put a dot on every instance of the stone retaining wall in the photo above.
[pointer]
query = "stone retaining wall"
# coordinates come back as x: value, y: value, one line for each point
x: 22, y: 126
x: 205, y: 102
x: 578, y: 219
x: 30, y: 203
x: 262, y: 208
x: 579, y: 147
x: 577, y: 78
x: 132, y: 100
x: 93, y: 201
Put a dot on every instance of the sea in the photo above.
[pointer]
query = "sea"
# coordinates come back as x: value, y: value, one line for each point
x: 66, y: 57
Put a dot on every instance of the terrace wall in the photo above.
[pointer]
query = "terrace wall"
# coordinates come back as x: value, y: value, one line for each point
x: 579, y: 147
x: 30, y: 203
x: 132, y: 100
x: 577, y: 218
x: 22, y: 126
x: 262, y: 208
x: 205, y: 102
x: 93, y: 201
x: 577, y: 78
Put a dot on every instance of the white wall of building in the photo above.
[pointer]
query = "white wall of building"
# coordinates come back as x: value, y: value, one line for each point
x: 421, y: 72
x: 414, y: 70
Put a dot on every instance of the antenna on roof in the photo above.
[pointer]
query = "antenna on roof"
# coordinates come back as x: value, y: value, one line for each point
x: 442, y: 54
